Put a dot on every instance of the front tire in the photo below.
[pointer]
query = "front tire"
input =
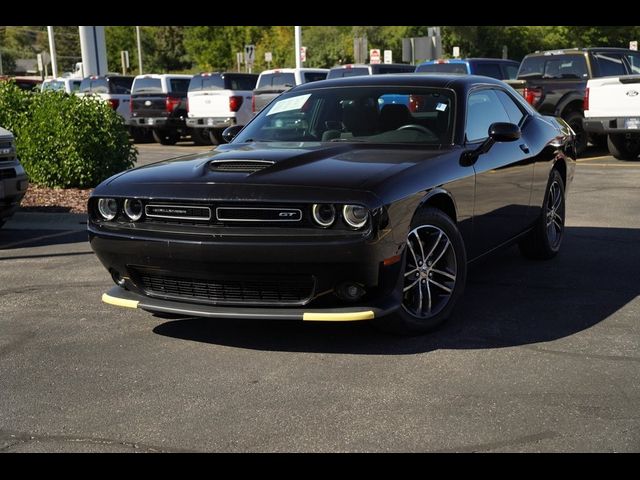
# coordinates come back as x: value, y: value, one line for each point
x: 543, y: 242
x: 624, y: 146
x: 434, y: 275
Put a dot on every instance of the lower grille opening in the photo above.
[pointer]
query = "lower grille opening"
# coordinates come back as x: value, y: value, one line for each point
x: 228, y: 290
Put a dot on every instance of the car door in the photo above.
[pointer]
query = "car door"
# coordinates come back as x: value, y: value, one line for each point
x: 503, y: 175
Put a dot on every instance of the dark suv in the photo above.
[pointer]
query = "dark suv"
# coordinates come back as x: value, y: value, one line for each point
x: 555, y: 82
x: 500, y: 68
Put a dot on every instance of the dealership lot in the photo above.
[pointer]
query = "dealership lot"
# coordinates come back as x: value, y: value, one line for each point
x: 539, y: 356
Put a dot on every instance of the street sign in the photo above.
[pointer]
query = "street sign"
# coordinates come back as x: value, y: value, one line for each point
x: 40, y: 65
x: 388, y: 58
x: 303, y: 54
x: 249, y: 54
x: 268, y: 57
x: 374, y: 56
x: 456, y: 52
x: 633, y: 45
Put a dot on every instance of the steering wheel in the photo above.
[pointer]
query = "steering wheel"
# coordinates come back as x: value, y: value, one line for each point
x: 413, y: 126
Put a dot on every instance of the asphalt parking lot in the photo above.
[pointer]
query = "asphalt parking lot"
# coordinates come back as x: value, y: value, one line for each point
x: 538, y: 357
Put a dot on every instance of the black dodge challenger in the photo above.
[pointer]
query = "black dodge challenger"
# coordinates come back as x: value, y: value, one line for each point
x: 351, y: 199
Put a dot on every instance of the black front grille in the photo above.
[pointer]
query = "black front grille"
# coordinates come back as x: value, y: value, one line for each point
x: 7, y: 173
x: 258, y: 214
x: 229, y: 291
x: 240, y: 166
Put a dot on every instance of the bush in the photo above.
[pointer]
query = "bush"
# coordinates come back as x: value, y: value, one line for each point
x: 64, y: 140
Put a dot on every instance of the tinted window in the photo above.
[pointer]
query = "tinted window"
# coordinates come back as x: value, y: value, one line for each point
x: 147, y: 85
x: 554, y: 66
x: 361, y: 114
x: 314, y: 76
x: 609, y: 64
x: 277, y: 80
x: 179, y: 85
x: 634, y: 62
x: 94, y: 85
x: 511, y: 71
x: 443, y: 68
x: 240, y: 82
x: 347, y: 72
x: 382, y: 69
x: 483, y: 109
x: 75, y: 85
x: 53, y: 85
x: 85, y: 85
x: 488, y: 70
x: 120, y: 85
x: 514, y: 112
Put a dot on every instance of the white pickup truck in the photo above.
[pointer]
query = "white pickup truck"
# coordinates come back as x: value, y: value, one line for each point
x: 612, y: 107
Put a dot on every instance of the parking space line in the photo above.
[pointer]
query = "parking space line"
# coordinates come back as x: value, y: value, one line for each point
x: 36, y: 239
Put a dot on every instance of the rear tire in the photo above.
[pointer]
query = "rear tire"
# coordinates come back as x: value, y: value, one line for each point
x: 200, y: 136
x: 543, y: 242
x: 166, y: 137
x: 624, y: 146
x: 140, y: 135
x: 434, y: 275
x: 216, y: 137
x: 574, y: 119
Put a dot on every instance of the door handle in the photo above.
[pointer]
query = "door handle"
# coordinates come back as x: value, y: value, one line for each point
x: 524, y: 147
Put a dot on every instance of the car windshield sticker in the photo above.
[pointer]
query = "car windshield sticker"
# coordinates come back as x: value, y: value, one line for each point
x: 293, y: 103
x: 441, y: 107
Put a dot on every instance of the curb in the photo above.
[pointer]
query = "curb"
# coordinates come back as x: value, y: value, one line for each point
x: 47, y: 221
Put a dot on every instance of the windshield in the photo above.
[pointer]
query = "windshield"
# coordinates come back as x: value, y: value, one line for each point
x: 554, y: 66
x: 385, y: 114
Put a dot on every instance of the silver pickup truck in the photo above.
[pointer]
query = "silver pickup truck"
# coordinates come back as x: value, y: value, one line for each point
x: 612, y: 107
x: 13, y: 179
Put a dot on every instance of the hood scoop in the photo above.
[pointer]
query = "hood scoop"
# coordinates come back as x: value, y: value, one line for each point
x: 239, y: 166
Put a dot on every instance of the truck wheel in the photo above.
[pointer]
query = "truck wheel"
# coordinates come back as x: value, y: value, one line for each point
x: 574, y: 119
x: 200, y: 136
x: 216, y: 137
x: 624, y: 146
x: 140, y: 135
x: 166, y: 137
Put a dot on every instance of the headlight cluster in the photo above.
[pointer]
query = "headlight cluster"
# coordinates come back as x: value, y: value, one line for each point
x: 354, y: 216
x: 108, y: 208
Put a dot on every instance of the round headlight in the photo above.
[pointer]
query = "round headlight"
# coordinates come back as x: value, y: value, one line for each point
x: 108, y: 208
x: 324, y: 214
x: 356, y: 216
x: 133, y: 209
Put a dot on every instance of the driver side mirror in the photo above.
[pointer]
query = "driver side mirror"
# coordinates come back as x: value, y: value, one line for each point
x: 498, y: 132
x: 231, y: 132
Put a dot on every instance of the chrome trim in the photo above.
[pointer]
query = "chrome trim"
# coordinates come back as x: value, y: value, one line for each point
x: 151, y: 215
x: 299, y: 219
x: 239, y: 160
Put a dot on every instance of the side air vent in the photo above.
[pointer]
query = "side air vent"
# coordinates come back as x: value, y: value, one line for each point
x: 239, y: 166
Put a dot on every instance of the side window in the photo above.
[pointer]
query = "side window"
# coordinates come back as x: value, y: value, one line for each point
x: 514, y: 112
x: 511, y: 72
x: 609, y: 65
x: 488, y: 70
x: 634, y: 62
x: 483, y: 109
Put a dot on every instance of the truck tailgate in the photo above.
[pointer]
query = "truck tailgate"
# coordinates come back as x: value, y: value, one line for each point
x: 614, y: 97
x: 149, y: 105
x: 209, y: 104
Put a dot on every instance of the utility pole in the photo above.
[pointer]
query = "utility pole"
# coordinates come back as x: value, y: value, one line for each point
x: 94, y: 50
x: 139, y: 51
x: 52, y: 52
x: 298, y: 34
x: 1, y: 73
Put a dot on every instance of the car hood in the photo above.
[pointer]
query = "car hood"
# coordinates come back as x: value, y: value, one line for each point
x: 313, y: 165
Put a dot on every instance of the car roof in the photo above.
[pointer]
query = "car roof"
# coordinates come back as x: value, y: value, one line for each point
x: 565, y: 51
x: 470, y: 59
x: 163, y: 75
x: 292, y: 70
x: 447, y: 80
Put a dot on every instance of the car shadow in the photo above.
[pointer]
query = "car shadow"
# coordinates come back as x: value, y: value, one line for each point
x: 508, y: 301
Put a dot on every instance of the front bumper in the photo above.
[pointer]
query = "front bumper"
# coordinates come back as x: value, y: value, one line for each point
x: 606, y: 125
x: 13, y: 187
x: 211, y: 122
x: 157, y: 269
x: 123, y: 298
x: 157, y: 122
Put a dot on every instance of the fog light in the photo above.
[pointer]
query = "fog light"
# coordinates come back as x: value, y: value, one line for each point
x: 117, y: 278
x: 133, y: 209
x: 324, y: 214
x: 108, y: 208
x: 350, y: 291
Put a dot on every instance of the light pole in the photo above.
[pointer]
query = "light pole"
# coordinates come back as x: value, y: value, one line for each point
x: 52, y: 51
x: 298, y: 34
x: 139, y: 51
